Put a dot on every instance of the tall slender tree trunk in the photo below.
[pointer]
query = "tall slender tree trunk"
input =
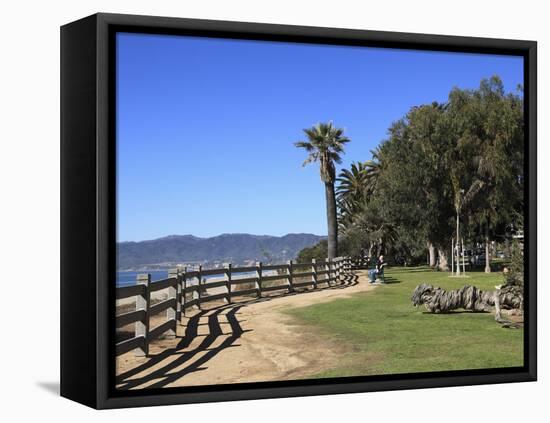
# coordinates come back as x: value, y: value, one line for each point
x: 431, y: 252
x: 443, y: 260
x: 487, y: 250
x: 332, y: 223
x: 457, y: 242
x: 452, y: 256
x: 463, y: 259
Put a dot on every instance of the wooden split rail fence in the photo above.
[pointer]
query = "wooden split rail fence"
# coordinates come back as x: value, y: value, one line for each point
x: 188, y: 289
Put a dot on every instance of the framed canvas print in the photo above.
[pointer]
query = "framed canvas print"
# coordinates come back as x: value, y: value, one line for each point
x: 257, y: 211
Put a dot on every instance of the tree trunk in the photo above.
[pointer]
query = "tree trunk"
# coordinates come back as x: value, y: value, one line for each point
x: 443, y: 260
x: 487, y: 251
x: 463, y: 257
x: 457, y: 243
x: 331, y: 220
x: 431, y: 252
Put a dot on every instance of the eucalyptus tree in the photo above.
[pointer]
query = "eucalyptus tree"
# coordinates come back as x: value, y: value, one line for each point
x: 382, y: 201
x: 451, y: 170
x: 413, y: 183
x: 463, y: 154
x: 502, y: 136
x: 325, y: 144
x: 487, y: 157
x: 429, y: 135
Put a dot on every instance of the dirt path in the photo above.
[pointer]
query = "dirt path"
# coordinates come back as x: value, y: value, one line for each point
x: 242, y: 342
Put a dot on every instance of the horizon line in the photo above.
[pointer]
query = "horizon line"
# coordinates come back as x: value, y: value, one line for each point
x: 222, y: 234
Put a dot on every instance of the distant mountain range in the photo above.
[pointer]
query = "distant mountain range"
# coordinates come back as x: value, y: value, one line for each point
x: 234, y: 248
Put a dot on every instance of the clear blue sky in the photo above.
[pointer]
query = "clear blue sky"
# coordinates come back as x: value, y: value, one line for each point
x: 205, y: 127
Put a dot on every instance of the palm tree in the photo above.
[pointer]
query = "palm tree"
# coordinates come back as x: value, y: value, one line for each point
x: 372, y: 170
x: 356, y: 186
x: 347, y: 212
x: 324, y: 144
x: 352, y: 183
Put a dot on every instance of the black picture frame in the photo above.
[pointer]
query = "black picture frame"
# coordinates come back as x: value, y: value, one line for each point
x: 88, y: 209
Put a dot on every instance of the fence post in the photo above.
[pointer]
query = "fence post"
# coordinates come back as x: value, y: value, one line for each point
x: 175, y: 273
x: 199, y: 286
x: 171, y: 312
x: 259, y: 272
x: 314, y: 270
x: 290, y: 281
x: 142, y: 303
x: 228, y: 281
x: 178, y: 296
x: 184, y: 289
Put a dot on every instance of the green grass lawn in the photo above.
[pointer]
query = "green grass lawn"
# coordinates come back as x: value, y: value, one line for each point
x: 386, y: 334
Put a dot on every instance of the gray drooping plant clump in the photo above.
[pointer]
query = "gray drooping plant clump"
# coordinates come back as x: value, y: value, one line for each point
x: 438, y: 300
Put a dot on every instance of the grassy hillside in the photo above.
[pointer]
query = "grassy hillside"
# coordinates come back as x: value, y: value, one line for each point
x: 386, y: 334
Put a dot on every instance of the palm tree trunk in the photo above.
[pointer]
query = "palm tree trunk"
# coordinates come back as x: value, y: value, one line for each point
x: 487, y: 251
x: 332, y: 223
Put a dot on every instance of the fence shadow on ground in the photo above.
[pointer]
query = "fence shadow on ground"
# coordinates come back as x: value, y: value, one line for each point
x: 158, y: 375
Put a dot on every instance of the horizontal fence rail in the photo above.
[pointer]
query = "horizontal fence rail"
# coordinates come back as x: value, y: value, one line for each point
x: 187, y: 289
x: 360, y: 262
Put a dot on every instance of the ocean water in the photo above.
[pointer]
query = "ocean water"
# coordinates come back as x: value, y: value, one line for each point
x: 129, y: 278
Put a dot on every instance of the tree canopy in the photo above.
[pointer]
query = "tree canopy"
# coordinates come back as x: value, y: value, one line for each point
x: 443, y: 168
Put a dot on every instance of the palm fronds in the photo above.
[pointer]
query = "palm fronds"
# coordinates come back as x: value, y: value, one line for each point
x: 325, y: 143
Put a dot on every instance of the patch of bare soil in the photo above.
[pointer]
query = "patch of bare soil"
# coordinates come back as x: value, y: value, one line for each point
x: 250, y: 341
